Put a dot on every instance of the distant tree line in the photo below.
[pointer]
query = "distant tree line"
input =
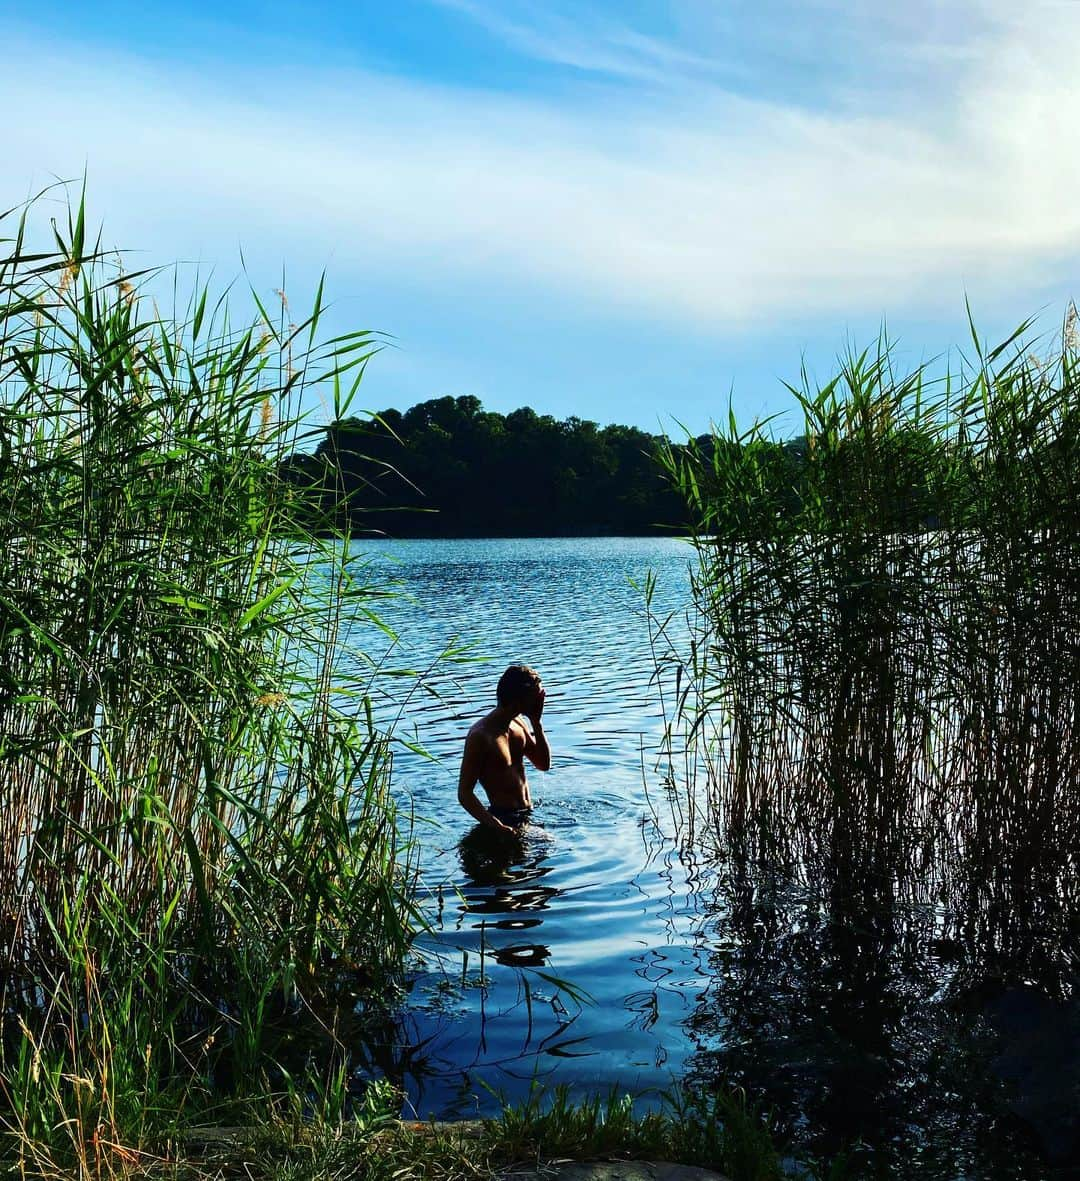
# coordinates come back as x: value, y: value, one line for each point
x: 449, y: 468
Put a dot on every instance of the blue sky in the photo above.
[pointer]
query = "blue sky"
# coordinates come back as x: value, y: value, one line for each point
x: 628, y: 211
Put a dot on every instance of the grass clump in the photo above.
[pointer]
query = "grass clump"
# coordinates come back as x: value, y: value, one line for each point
x: 715, y: 1131
x: 200, y: 873
x: 882, y: 685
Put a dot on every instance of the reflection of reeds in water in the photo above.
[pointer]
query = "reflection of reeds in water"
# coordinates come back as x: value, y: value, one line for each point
x: 884, y: 685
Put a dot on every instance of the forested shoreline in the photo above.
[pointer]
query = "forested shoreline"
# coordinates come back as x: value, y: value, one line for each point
x: 449, y: 468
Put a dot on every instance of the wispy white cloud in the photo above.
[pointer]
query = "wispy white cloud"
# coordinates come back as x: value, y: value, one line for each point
x: 590, y: 41
x: 705, y: 209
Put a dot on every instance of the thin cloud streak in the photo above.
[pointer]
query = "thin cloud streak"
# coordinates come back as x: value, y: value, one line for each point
x: 716, y: 214
x: 590, y: 44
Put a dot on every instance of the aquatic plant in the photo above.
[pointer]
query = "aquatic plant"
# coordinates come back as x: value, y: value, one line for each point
x: 877, y: 730
x: 884, y: 672
x: 198, y: 852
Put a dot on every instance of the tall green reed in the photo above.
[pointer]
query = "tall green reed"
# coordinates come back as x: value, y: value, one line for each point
x: 197, y: 841
x: 881, y: 689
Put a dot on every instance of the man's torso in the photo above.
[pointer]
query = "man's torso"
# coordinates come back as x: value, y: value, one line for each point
x: 502, y: 775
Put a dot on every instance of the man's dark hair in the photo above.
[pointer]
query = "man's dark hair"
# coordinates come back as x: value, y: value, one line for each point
x: 515, y: 683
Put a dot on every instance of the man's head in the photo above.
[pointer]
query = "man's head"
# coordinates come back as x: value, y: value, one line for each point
x: 517, y: 686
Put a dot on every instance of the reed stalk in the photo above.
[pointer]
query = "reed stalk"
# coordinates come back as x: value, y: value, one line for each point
x: 881, y: 692
x: 198, y: 851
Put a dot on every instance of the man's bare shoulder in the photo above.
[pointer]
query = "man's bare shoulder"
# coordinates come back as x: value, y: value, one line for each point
x: 481, y: 732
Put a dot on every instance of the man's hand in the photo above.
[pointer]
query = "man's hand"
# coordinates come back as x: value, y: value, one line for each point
x: 537, y: 750
x: 536, y: 710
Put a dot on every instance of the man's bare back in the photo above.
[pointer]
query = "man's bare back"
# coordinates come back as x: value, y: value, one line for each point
x: 496, y: 749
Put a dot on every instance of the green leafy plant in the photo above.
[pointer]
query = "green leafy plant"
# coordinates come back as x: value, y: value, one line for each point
x: 199, y: 855
x: 881, y: 681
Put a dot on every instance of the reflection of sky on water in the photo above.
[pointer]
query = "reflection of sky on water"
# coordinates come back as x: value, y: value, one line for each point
x: 590, y: 894
x: 556, y: 906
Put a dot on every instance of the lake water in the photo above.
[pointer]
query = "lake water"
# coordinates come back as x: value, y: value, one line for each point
x: 593, y: 895
x: 592, y: 953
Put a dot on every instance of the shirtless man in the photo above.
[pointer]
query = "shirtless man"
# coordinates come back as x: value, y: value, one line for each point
x: 496, y: 748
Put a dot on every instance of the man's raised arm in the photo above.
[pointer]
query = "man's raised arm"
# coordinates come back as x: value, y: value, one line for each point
x: 537, y: 750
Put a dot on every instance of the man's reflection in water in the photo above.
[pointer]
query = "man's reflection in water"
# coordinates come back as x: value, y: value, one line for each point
x: 504, y: 871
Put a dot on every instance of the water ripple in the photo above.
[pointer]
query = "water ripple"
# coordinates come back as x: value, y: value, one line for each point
x: 583, y: 903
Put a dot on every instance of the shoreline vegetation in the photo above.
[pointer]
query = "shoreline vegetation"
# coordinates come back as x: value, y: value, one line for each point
x: 207, y: 899
x: 877, y: 733
x: 889, y: 621
x: 205, y: 893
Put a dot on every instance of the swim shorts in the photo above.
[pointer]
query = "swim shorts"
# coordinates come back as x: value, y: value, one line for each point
x: 513, y: 817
